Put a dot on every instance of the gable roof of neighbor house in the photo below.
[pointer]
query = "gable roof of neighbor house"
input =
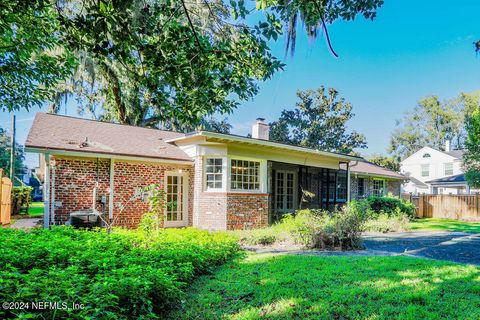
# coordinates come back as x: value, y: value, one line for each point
x: 456, y: 179
x: 457, y: 154
x: 370, y: 169
x: 62, y: 133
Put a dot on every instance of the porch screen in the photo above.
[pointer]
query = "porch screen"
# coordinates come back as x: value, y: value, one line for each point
x: 245, y: 175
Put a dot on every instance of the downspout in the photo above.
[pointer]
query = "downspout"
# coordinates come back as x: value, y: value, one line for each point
x: 46, y: 192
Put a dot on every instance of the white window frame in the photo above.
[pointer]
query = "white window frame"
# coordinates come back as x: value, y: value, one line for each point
x: 224, y: 174
x: 383, y: 193
x: 422, y: 171
x: 445, y: 168
x: 262, y: 174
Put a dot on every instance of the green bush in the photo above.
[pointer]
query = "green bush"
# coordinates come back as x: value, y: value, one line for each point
x: 385, y: 223
x: 314, y: 228
x: 391, y: 206
x: 124, y: 275
x: 21, y: 197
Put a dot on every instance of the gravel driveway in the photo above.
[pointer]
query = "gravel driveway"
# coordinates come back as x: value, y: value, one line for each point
x: 452, y: 246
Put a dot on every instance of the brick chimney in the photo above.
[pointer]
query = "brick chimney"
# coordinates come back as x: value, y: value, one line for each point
x: 261, y: 130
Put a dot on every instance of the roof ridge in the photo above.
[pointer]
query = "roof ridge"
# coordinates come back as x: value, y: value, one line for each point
x: 104, y: 122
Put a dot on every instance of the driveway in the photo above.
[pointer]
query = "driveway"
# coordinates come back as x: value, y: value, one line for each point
x: 451, y: 246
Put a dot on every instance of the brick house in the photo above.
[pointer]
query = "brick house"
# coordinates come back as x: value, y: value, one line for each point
x: 215, y: 181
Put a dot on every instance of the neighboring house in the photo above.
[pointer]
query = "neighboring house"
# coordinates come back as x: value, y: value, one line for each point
x: 435, y: 172
x: 369, y: 179
x: 215, y: 181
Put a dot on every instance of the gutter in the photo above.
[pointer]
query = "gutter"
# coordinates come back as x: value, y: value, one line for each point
x: 93, y: 154
x: 265, y: 143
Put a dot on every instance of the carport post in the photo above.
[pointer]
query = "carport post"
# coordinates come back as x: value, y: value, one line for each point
x: 46, y: 193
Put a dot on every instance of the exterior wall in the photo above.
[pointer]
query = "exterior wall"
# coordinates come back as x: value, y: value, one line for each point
x: 71, y: 185
x: 73, y: 179
x: 392, y: 186
x: 227, y: 210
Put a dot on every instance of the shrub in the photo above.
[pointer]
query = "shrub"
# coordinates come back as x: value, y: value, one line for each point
x: 391, y: 206
x: 265, y: 236
x: 21, y: 197
x: 385, y: 223
x: 123, y: 276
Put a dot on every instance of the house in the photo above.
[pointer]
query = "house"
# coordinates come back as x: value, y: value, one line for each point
x: 435, y: 171
x: 214, y: 181
x: 369, y: 179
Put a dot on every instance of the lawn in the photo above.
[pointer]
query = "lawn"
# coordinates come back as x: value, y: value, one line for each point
x: 445, y: 225
x: 36, y: 209
x: 309, y: 287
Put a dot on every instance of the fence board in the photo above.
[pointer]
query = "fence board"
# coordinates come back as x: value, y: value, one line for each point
x: 5, y: 200
x: 459, y: 207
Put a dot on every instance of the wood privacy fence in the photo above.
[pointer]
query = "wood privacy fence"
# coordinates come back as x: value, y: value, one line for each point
x: 459, y: 207
x: 5, y: 199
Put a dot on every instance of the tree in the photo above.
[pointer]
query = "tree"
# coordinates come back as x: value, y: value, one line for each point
x: 431, y: 123
x: 471, y: 158
x: 150, y: 62
x: 31, y: 62
x: 5, y: 147
x: 386, y: 162
x: 316, y: 14
x: 319, y: 121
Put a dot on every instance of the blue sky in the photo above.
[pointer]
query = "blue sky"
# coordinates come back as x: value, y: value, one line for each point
x: 411, y: 50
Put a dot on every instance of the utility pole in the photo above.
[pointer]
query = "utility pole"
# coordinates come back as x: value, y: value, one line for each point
x: 12, y: 150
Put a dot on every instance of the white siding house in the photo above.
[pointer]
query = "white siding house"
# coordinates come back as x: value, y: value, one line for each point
x: 427, y: 169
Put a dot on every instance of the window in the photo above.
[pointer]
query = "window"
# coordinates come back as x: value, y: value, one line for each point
x: 245, y: 175
x: 361, y: 187
x: 214, y: 173
x: 378, y: 187
x: 425, y: 170
x: 448, y: 168
x: 341, y: 186
x: 426, y: 155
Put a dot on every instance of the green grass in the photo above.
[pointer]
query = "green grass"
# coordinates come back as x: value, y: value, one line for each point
x: 445, y: 225
x: 36, y: 209
x: 309, y: 287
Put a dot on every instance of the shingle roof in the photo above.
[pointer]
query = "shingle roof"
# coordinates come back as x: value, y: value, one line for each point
x: 459, y: 178
x: 55, y: 132
x: 455, y: 153
x: 371, y: 169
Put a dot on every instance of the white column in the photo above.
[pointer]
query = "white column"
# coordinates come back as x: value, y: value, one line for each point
x: 110, y: 197
x: 46, y: 192
x: 348, y: 182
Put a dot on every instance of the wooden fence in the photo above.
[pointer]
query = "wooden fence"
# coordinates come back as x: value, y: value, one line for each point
x: 5, y: 199
x: 459, y: 207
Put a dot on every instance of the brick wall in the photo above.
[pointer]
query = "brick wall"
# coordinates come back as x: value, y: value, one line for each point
x: 75, y: 179
x: 247, y: 211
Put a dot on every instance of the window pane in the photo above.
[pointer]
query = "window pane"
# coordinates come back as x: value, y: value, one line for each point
x: 245, y: 175
x: 214, y: 171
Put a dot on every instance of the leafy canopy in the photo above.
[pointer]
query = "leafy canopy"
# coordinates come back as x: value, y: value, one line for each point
x: 471, y: 158
x: 31, y: 61
x: 319, y: 121
x: 431, y: 123
x: 5, y: 151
